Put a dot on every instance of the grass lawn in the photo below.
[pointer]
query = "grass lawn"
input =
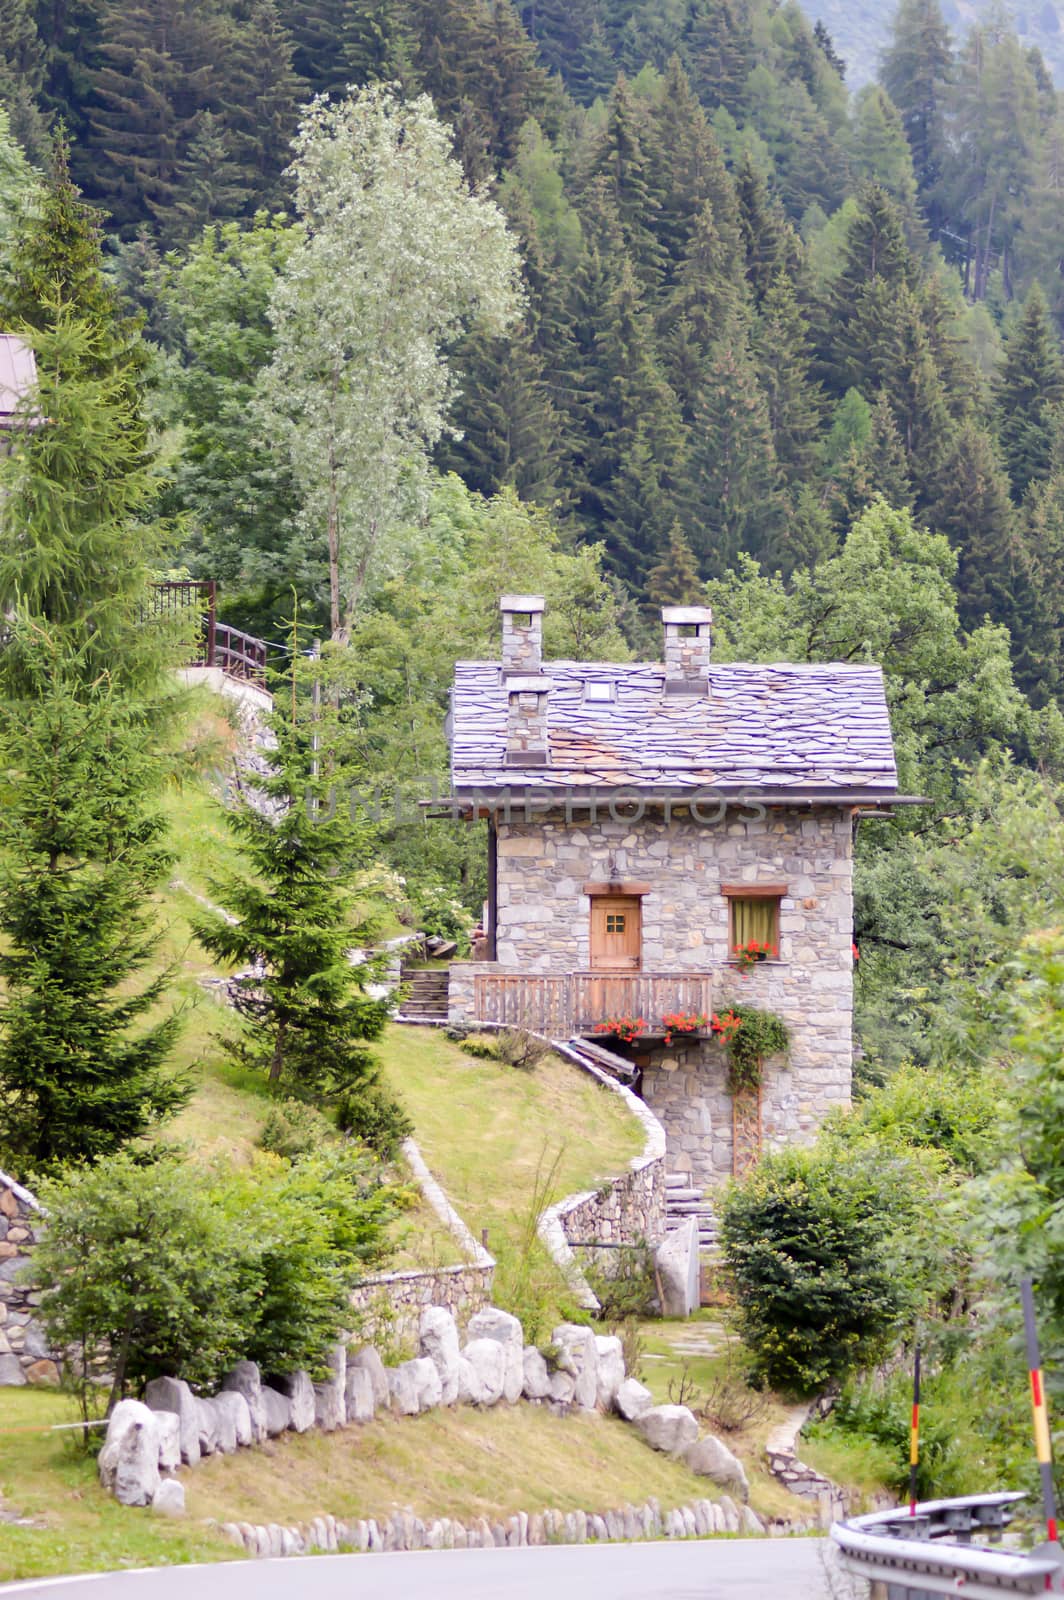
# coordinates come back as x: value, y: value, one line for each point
x: 488, y: 1131
x: 703, y: 1356
x: 76, y: 1527
x: 463, y: 1463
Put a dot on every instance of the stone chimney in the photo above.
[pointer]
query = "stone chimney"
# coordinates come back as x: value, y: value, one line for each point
x: 526, y: 721
x: 522, y: 634
x: 688, y: 638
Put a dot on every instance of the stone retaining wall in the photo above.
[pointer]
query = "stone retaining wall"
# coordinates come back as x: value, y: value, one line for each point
x: 629, y: 1209
x: 390, y: 1305
x: 24, y: 1356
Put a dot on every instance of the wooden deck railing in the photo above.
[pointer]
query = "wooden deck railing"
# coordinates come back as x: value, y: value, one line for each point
x: 239, y: 655
x: 564, y: 1003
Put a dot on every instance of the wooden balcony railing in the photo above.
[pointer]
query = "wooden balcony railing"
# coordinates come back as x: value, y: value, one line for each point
x: 560, y: 1004
x: 239, y: 655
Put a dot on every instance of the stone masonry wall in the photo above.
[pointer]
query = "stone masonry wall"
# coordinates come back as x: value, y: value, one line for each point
x: 24, y: 1356
x: 544, y: 926
x: 391, y: 1303
x: 626, y: 1210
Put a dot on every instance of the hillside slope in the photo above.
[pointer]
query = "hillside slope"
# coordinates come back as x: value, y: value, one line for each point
x: 861, y: 28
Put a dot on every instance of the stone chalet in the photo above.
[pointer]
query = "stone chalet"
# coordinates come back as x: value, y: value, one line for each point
x: 643, y: 820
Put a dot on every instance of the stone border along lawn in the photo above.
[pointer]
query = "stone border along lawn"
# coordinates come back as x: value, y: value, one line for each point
x: 148, y: 1442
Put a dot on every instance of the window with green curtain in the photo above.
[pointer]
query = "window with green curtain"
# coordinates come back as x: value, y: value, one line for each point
x: 755, y: 919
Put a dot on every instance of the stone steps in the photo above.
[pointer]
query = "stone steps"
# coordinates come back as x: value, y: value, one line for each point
x: 426, y: 993
x: 682, y: 1202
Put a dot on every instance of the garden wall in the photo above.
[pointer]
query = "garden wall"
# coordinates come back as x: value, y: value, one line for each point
x: 391, y: 1303
x: 24, y: 1356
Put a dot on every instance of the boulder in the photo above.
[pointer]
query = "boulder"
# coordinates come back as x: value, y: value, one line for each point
x: 169, y: 1424
x: 128, y: 1464
x: 174, y: 1394
x: 233, y: 1415
x: 277, y: 1409
x: 710, y: 1458
x: 562, y: 1388
x: 427, y: 1383
x: 219, y: 1425
x: 208, y: 1427
x: 46, y: 1372
x: 246, y: 1379
x: 330, y: 1397
x: 668, y: 1428
x: 537, y: 1378
x: 579, y: 1356
x: 358, y: 1396
x: 369, y: 1361
x: 402, y: 1386
x: 610, y: 1353
x: 487, y: 1358
x: 491, y: 1323
x: 11, y: 1373
x: 732, y: 1520
x: 169, y: 1498
x: 632, y: 1399
x: 678, y: 1268
x: 468, y: 1383
x: 300, y: 1392
x: 438, y: 1343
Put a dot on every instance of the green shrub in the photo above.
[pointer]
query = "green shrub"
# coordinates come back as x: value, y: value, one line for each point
x: 294, y: 1129
x: 957, y: 1113
x: 815, y: 1242
x: 622, y: 1280
x: 440, y: 914
x: 480, y: 1048
x: 307, y: 1231
x: 139, y: 1267
x: 516, y: 1047
x: 376, y: 1117
x: 153, y: 1268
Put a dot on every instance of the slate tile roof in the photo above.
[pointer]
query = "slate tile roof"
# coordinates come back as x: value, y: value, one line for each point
x: 800, y: 728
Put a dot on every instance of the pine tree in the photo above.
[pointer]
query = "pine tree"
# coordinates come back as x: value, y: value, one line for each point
x: 1040, y: 669
x: 720, y: 53
x: 879, y: 151
x: 1027, y: 386
x: 686, y: 174
x: 76, y: 540
x: 343, y: 43
x: 769, y: 242
x: 708, y: 293
x: 996, y: 576
x: 507, y: 431
x: 22, y: 64
x: 570, y: 42
x: 731, y: 480
x: 262, y: 93
x: 82, y: 1069
x: 782, y: 349
x: 855, y: 318
x: 157, y: 62
x: 916, y: 72
x: 82, y: 710
x: 58, y: 262
x: 308, y: 1020
x: 674, y: 581
x: 620, y: 173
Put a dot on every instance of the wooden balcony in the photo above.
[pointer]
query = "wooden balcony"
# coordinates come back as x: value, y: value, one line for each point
x: 564, y: 1003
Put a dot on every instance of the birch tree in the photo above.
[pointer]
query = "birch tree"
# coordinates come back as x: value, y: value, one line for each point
x: 396, y: 258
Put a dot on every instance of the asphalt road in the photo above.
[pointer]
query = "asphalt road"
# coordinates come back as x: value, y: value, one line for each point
x: 719, y: 1569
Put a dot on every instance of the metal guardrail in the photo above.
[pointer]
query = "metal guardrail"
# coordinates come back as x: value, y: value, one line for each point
x: 916, y: 1557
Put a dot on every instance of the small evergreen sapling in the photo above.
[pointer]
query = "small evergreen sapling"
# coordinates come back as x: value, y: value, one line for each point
x: 308, y: 1020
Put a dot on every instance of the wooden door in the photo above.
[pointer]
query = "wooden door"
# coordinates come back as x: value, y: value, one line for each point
x: 616, y: 933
